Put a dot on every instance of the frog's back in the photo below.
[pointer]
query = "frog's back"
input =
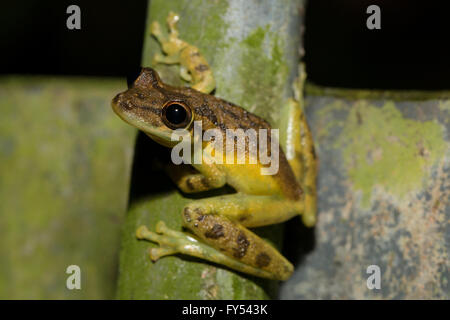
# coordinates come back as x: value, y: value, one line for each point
x: 216, y: 113
x: 221, y: 114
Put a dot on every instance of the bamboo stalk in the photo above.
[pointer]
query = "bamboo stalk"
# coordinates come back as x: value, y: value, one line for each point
x: 253, y: 48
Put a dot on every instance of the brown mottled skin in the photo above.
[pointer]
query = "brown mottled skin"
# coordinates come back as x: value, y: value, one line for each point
x: 142, y: 104
x: 265, y: 193
x: 148, y: 94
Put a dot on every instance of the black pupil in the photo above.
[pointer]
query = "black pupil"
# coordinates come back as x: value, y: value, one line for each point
x: 176, y: 114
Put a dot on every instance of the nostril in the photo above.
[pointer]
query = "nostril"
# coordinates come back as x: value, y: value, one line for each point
x: 126, y: 104
x: 122, y: 102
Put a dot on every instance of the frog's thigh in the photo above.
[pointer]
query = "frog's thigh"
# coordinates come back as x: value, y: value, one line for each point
x: 232, y: 238
x: 249, y: 210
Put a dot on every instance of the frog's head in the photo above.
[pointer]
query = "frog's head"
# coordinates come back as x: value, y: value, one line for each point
x: 153, y: 107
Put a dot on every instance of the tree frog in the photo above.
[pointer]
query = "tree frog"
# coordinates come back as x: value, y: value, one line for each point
x: 218, y: 226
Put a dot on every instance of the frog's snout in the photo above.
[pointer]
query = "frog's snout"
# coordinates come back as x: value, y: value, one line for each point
x: 120, y: 104
x: 115, y: 101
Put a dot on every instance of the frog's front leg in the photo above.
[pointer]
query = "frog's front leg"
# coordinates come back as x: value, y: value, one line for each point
x: 219, y: 224
x: 191, y: 181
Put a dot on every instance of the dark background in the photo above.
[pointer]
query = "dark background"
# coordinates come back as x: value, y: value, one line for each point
x: 410, y: 51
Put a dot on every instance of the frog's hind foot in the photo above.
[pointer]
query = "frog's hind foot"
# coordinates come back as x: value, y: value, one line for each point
x: 173, y: 242
x: 170, y: 241
x: 172, y: 19
x: 167, y: 246
x: 156, y: 253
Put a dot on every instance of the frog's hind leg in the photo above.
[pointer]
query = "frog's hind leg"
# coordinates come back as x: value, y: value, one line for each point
x: 174, y: 242
x: 296, y: 140
x: 219, y: 225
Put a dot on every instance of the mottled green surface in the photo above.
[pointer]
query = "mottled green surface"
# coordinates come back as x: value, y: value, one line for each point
x: 64, y: 177
x: 384, y: 190
x: 253, y: 48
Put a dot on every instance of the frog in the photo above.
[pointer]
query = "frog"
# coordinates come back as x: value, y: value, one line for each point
x: 218, y: 228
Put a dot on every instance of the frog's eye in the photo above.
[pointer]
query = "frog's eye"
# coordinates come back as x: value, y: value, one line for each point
x: 176, y: 115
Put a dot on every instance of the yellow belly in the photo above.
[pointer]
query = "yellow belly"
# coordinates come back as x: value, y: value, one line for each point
x: 247, y: 178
